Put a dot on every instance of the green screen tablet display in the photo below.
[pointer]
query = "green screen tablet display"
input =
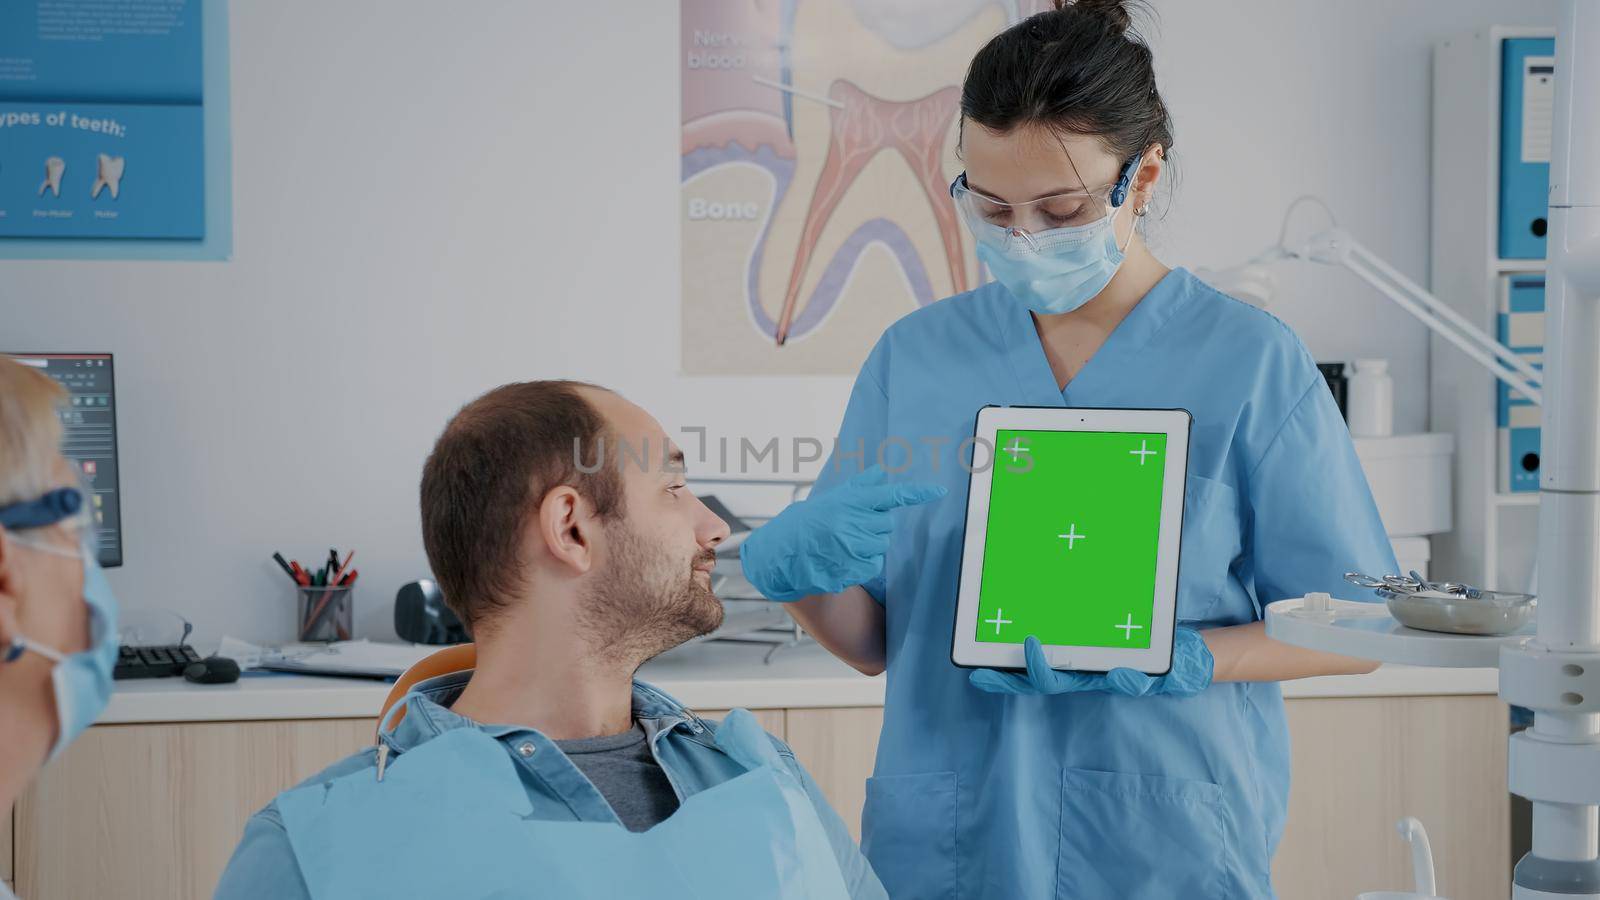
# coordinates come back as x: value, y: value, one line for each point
x: 1073, y: 525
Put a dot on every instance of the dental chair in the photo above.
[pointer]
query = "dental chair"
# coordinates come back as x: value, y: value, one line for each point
x: 458, y: 658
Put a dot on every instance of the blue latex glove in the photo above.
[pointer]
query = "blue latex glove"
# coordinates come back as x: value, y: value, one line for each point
x: 824, y: 544
x: 1190, y: 674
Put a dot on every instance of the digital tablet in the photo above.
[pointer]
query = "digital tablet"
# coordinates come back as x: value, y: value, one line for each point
x: 1073, y: 526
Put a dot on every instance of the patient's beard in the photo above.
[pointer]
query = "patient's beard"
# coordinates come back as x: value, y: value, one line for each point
x: 646, y: 601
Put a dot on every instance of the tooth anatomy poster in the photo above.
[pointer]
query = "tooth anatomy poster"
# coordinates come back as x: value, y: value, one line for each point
x: 818, y: 147
x: 103, y: 132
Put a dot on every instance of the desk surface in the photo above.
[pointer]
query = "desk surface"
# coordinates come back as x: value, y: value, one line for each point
x: 703, y: 676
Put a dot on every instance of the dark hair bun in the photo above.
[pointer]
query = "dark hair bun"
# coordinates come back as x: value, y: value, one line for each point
x: 1113, y: 11
x: 1049, y: 70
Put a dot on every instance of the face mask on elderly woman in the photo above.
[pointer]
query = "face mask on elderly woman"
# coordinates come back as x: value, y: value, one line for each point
x: 80, y: 682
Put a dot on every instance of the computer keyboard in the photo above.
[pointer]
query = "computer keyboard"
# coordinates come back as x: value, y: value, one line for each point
x: 153, y: 662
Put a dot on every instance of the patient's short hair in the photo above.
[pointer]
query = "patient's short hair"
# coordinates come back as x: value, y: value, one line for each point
x: 487, y: 474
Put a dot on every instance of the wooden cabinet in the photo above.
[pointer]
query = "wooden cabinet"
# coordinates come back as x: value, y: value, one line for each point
x: 155, y: 810
x: 838, y: 747
x: 136, y: 811
x: 772, y: 720
x: 1360, y: 764
x: 164, y: 805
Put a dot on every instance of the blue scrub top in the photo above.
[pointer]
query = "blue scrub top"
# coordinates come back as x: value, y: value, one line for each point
x: 1098, y: 795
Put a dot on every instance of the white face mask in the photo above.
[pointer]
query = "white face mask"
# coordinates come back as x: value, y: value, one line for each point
x: 1055, y: 270
x: 1061, y: 269
x: 81, y: 682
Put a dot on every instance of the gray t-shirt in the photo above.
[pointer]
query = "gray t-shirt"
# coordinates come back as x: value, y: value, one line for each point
x: 627, y: 775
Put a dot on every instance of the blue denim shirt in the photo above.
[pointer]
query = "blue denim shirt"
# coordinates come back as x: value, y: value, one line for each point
x: 264, y: 864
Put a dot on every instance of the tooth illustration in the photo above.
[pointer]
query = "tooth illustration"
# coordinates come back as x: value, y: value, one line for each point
x: 53, y: 167
x: 862, y: 125
x: 109, y: 176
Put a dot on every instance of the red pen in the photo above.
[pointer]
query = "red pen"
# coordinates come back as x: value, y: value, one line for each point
x: 300, y: 576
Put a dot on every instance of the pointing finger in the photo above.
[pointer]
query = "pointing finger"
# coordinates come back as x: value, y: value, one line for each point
x: 893, y: 496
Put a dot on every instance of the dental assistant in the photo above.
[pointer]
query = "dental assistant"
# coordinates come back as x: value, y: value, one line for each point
x: 1045, y: 783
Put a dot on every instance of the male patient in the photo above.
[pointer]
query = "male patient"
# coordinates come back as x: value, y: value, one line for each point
x: 569, y: 577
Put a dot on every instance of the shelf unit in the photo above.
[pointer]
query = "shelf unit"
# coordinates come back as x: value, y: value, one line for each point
x: 1495, y: 534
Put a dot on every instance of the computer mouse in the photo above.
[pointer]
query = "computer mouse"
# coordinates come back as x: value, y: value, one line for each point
x: 212, y: 670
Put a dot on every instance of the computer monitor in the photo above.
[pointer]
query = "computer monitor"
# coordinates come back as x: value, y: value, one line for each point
x: 89, y: 418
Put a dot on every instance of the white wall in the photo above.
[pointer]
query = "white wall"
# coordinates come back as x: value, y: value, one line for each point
x: 430, y: 202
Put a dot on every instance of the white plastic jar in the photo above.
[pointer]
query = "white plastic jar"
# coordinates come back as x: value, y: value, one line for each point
x: 1370, y: 406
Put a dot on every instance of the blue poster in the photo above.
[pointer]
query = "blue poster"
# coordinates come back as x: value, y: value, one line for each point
x: 103, y: 121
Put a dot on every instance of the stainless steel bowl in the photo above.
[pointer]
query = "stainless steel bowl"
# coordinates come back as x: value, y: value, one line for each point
x: 1488, y: 613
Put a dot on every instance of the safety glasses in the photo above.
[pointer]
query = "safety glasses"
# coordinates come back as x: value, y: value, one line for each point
x: 1054, y: 219
x: 71, y: 510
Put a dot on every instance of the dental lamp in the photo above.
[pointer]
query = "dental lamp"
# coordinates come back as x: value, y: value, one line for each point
x: 1556, y: 670
x: 1254, y: 282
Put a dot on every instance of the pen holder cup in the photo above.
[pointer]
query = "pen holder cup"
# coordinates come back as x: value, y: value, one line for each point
x: 324, y: 613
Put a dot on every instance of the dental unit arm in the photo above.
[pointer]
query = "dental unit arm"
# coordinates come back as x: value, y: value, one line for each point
x: 1556, y: 763
x: 1556, y: 671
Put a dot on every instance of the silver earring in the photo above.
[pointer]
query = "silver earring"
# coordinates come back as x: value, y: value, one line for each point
x: 1142, y: 211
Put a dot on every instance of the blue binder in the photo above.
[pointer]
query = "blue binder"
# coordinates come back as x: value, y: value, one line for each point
x: 1527, y: 117
x: 1527, y: 101
x: 1520, y: 326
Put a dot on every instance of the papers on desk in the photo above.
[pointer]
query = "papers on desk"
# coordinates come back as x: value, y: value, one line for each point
x: 349, y: 659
